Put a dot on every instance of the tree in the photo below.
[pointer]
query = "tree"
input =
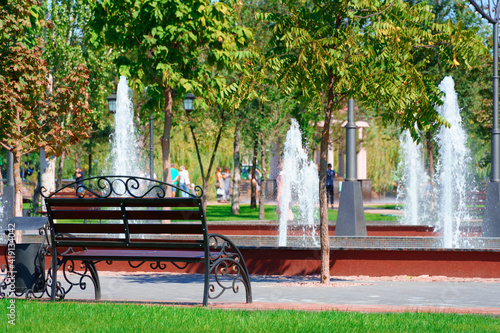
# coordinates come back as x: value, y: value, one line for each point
x: 30, y: 117
x: 166, y: 46
x: 263, y: 108
x: 473, y: 92
x: 372, y: 51
x: 66, y: 45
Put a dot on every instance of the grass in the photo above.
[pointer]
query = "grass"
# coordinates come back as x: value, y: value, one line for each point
x: 223, y: 213
x: 387, y: 206
x: 36, y: 316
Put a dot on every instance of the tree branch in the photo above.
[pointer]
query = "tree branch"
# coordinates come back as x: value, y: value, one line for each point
x: 375, y: 14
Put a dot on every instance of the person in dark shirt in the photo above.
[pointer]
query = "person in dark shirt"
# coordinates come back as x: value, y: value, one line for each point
x: 330, y: 176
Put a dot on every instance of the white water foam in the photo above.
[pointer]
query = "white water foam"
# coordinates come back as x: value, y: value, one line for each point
x: 124, y: 148
x: 452, y: 168
x: 300, y: 188
x: 440, y: 201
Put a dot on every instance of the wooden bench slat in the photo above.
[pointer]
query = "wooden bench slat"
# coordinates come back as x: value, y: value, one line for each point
x: 164, y: 215
x: 173, y: 228
x: 115, y: 228
x: 136, y: 255
x: 123, y: 244
x: 74, y: 214
x: 131, y: 202
x: 105, y: 228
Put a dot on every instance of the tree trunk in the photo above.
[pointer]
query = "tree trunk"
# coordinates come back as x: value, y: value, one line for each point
x: 206, y: 177
x: 165, y: 139
x: 90, y: 163
x: 77, y: 160
x: 18, y: 182
x: 18, y: 189
x: 48, y: 171
x: 263, y: 185
x: 323, y: 205
x: 235, y: 205
x: 48, y: 174
x: 253, y: 181
x: 60, y: 168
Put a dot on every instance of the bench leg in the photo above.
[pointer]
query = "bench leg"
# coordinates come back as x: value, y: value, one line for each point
x: 95, y: 279
x: 207, y: 282
x: 55, y: 267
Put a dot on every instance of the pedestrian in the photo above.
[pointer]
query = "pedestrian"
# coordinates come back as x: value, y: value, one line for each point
x: 227, y: 182
x: 219, y: 185
x: 79, y: 176
x: 256, y: 182
x: 330, y: 176
x: 174, y: 177
x: 184, y: 181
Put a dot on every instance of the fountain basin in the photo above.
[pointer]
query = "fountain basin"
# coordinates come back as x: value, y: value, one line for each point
x: 470, y: 263
x: 371, y: 255
x: 374, y: 228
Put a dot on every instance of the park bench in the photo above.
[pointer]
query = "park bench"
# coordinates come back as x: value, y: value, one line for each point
x: 133, y: 209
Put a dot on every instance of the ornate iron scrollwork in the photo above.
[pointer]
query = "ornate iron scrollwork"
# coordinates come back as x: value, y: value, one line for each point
x: 228, y: 267
x: 110, y: 186
x: 39, y: 286
x: 68, y: 271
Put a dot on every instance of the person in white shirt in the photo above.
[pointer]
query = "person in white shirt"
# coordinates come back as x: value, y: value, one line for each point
x: 184, y: 181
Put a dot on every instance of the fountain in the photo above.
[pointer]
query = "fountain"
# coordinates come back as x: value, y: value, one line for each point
x: 124, y: 149
x: 389, y: 248
x: 450, y: 183
x: 412, y: 187
x: 452, y: 169
x: 300, y: 184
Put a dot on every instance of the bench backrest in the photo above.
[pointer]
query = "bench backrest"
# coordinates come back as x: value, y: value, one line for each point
x: 128, y: 222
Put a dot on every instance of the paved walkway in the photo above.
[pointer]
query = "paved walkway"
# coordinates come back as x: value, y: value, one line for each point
x: 390, y: 294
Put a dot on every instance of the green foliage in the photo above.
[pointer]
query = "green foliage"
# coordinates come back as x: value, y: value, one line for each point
x: 171, y: 43
x: 66, y: 46
x: 382, y: 145
x: 30, y: 118
x: 371, y: 51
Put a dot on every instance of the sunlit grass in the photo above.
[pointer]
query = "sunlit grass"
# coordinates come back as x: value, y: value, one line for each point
x: 36, y: 316
x: 223, y: 213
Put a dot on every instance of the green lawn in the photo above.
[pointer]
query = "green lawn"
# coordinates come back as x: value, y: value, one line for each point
x: 388, y: 206
x: 36, y: 316
x: 223, y: 213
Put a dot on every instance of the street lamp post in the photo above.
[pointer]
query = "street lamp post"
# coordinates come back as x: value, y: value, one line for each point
x: 351, y: 215
x: 112, y: 102
x: 188, y: 102
x: 490, y: 11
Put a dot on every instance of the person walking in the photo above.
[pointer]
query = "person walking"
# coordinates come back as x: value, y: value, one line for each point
x: 174, y: 177
x: 184, y: 181
x: 226, y: 175
x: 219, y: 185
x: 330, y: 176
